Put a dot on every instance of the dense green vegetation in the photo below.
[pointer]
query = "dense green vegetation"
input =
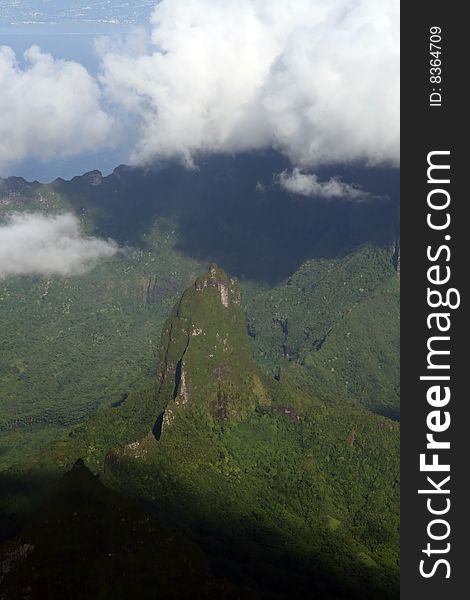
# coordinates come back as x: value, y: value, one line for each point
x: 70, y: 345
x: 247, y: 462
x: 360, y: 358
x: 303, y: 492
x: 111, y: 547
x: 255, y: 423
x: 334, y: 327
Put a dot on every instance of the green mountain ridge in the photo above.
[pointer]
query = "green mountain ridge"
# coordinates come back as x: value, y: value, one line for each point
x: 72, y: 345
x: 288, y: 497
x: 244, y: 414
x: 335, y: 326
x: 205, y: 353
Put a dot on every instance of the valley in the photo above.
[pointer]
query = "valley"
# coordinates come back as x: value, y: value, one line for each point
x: 247, y: 406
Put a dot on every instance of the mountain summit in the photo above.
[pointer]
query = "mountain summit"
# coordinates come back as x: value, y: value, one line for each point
x: 260, y: 474
x: 206, y: 365
x: 286, y: 494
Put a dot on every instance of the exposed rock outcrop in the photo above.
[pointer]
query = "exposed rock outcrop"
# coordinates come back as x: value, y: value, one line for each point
x: 229, y: 289
x: 206, y: 354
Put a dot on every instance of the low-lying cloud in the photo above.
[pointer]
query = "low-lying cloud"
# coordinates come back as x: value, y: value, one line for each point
x: 34, y: 243
x: 307, y: 184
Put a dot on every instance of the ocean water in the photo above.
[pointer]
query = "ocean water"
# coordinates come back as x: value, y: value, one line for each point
x: 74, y: 41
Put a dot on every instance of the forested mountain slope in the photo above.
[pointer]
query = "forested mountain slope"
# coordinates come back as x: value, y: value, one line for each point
x: 72, y: 344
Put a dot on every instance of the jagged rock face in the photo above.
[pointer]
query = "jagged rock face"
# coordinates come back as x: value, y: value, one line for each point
x: 216, y: 278
x: 206, y: 362
x: 394, y: 250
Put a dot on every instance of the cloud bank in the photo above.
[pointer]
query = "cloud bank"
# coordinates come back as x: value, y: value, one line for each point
x: 315, y: 79
x: 49, y: 108
x: 34, y: 243
x: 307, y: 184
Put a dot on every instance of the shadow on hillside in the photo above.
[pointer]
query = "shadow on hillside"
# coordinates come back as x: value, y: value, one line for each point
x: 240, y: 552
x: 231, y: 211
x: 389, y: 412
x: 248, y: 553
x: 20, y: 493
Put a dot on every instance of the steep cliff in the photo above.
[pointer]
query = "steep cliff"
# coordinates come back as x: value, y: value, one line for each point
x: 263, y: 475
x: 206, y: 366
x: 292, y: 496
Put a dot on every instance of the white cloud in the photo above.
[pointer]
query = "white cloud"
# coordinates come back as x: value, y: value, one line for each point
x: 317, y: 79
x: 48, y: 109
x: 307, y: 184
x: 34, y: 243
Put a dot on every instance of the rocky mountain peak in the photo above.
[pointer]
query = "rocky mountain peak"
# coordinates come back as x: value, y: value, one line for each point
x: 217, y: 278
x: 206, y: 358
